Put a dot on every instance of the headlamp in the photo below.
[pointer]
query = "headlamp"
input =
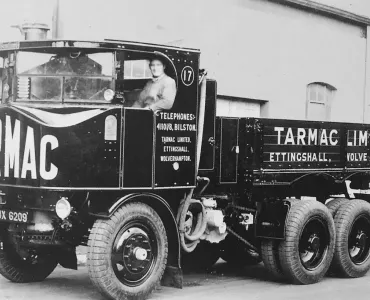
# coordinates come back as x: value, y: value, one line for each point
x: 63, y: 208
x: 108, y: 95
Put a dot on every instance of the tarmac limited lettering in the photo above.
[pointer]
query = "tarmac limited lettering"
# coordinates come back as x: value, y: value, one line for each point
x: 12, y: 159
x: 357, y: 138
x: 306, y: 136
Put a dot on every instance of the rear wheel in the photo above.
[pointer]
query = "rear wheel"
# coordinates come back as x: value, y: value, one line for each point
x: 352, y: 248
x: 29, y: 267
x: 333, y: 205
x: 307, y: 251
x: 270, y: 257
x: 127, y: 254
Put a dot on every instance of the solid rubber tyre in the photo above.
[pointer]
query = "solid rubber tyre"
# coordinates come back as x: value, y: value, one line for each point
x: 348, y: 215
x: 105, y: 238
x: 204, y: 256
x: 307, y: 219
x: 16, y: 269
x: 333, y: 205
x: 270, y: 257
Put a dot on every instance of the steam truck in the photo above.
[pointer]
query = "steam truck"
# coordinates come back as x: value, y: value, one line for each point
x: 149, y: 192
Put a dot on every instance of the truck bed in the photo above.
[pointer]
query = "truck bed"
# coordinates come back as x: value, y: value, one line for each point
x: 280, y: 151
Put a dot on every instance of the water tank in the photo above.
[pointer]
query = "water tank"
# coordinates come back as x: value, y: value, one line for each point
x: 33, y: 31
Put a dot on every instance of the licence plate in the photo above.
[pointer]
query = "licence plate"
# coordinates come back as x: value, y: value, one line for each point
x: 14, y: 216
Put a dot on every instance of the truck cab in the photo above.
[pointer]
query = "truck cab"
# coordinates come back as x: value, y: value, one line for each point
x: 75, y: 149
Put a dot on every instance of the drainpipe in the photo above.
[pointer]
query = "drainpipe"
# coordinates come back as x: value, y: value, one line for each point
x: 367, y: 72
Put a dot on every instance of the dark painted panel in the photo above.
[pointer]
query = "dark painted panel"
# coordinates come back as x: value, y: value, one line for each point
x: 300, y: 144
x: 60, y: 150
x: 138, y: 148
x: 207, y: 156
x: 175, y: 149
x: 176, y: 130
x: 229, y: 150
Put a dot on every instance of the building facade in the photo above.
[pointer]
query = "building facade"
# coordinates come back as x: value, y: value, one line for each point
x: 285, y: 61
x: 291, y: 59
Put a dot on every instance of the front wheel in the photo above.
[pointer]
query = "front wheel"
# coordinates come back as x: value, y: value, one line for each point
x: 30, y: 267
x: 127, y: 254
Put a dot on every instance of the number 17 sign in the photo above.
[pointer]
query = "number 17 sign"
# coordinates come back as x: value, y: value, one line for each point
x: 187, y: 75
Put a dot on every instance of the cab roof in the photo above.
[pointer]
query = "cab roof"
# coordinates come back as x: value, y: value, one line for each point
x: 106, y: 44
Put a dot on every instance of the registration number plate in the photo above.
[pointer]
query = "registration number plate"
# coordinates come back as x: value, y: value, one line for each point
x: 13, y: 216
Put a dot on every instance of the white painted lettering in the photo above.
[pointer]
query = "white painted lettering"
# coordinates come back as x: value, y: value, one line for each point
x: 289, y: 137
x: 29, y: 157
x: 12, y: 141
x: 301, y: 134
x: 279, y: 131
x: 312, y: 136
x: 333, y: 142
x: 52, y: 173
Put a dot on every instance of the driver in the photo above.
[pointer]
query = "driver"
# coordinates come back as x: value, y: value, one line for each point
x: 160, y: 91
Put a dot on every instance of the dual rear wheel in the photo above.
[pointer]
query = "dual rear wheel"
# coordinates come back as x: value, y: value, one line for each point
x: 352, y: 247
x: 319, y: 238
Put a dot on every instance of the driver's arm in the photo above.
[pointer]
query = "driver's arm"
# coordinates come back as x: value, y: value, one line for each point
x: 166, y: 98
x: 132, y: 98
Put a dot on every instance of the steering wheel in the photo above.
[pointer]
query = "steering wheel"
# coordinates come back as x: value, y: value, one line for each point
x: 72, y: 94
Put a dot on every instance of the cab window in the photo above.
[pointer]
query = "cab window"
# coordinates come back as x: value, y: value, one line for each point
x: 65, y: 76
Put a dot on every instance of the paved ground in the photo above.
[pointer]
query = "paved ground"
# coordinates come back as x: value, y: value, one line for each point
x: 223, y: 283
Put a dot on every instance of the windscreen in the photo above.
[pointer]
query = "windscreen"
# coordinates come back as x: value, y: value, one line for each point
x: 69, y: 76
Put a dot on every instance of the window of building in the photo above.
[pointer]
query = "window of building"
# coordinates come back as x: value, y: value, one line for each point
x: 137, y: 69
x: 320, y: 97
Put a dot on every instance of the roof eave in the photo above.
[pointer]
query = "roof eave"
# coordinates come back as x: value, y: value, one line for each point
x: 324, y: 9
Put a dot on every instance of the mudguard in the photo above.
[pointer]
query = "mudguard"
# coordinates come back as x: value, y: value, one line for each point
x: 271, y: 218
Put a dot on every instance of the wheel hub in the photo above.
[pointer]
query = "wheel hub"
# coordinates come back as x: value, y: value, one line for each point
x: 140, y: 253
x: 132, y: 254
x: 358, y: 242
x: 313, y: 243
x: 361, y: 239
